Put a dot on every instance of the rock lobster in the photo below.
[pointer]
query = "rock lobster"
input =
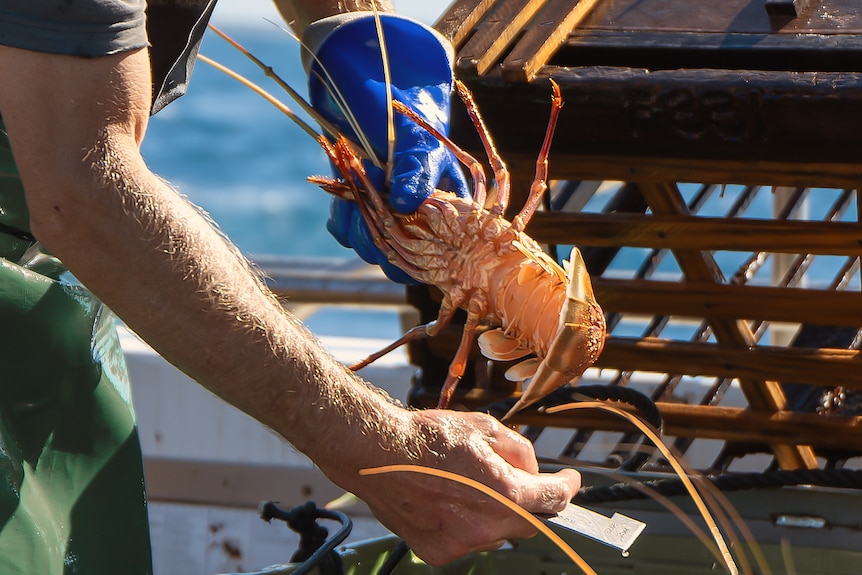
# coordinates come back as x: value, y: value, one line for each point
x: 484, y: 264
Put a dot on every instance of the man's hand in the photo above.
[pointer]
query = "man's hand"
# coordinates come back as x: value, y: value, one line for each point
x: 442, y: 520
x: 347, y: 85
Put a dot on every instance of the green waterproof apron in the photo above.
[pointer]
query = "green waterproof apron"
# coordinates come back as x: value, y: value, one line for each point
x: 72, y: 496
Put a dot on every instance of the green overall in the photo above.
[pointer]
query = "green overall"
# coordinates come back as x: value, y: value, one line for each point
x: 72, y: 496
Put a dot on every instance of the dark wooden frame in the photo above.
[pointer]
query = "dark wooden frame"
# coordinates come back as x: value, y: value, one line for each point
x: 748, y: 93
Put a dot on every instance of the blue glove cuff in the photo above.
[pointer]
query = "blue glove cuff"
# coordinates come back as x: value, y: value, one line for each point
x: 317, y: 33
x: 348, y: 66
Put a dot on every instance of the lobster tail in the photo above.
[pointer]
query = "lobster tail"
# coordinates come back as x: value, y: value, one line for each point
x: 579, y: 340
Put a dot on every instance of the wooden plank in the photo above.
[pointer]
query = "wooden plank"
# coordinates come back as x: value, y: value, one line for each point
x: 699, y: 233
x: 725, y: 16
x: 329, y: 280
x: 752, y: 122
x: 234, y: 485
x: 743, y: 425
x: 809, y: 366
x: 762, y: 393
x: 821, y: 366
x: 566, y: 166
x: 695, y: 421
x: 706, y: 422
x: 484, y: 50
x: 458, y: 21
x: 747, y: 426
x: 728, y: 301
x: 743, y: 51
x: 826, y: 17
x: 544, y: 38
x: 654, y: 51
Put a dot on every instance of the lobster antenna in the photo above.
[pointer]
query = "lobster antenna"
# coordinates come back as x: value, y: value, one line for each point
x: 266, y: 95
x: 270, y: 73
x: 339, y: 99
x: 387, y: 80
x: 327, y: 126
x: 654, y: 436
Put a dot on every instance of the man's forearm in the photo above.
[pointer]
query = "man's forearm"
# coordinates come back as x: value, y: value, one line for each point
x: 300, y: 13
x: 155, y: 260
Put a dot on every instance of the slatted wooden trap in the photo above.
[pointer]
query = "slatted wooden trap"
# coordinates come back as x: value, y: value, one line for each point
x: 707, y: 163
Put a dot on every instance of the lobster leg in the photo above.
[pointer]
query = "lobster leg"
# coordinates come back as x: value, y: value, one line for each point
x: 476, y: 309
x: 412, y: 334
x: 377, y: 217
x: 447, y: 310
x: 501, y: 174
x: 540, y: 182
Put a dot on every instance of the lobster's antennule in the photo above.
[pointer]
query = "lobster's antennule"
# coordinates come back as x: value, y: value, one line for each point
x: 348, y: 113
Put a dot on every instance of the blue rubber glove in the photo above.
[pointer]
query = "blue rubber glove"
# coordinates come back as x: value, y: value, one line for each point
x: 420, y: 61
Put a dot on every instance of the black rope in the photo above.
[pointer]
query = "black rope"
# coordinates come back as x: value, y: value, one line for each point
x: 645, y: 406
x: 315, y: 550
x: 840, y: 478
x: 395, y: 556
x: 15, y: 232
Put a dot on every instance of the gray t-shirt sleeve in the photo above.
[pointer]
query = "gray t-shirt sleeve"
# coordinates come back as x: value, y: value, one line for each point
x: 86, y: 28
x: 173, y: 30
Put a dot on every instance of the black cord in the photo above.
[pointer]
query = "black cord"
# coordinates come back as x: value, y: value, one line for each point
x: 315, y: 550
x: 395, y: 556
x: 645, y: 406
x: 15, y: 232
x: 843, y: 478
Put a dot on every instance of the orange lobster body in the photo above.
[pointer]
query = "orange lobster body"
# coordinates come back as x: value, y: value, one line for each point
x: 488, y: 266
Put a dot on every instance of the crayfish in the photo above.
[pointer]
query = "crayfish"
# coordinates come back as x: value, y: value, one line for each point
x: 484, y: 264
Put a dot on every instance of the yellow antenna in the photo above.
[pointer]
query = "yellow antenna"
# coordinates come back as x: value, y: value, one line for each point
x: 263, y: 93
x: 654, y: 436
x: 387, y: 79
x: 365, y: 152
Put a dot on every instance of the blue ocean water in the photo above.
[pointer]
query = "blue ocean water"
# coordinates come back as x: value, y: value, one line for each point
x: 232, y: 153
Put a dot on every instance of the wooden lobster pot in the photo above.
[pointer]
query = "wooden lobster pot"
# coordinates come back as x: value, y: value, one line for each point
x: 708, y: 164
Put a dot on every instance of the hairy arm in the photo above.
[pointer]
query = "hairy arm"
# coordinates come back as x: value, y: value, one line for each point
x: 75, y: 126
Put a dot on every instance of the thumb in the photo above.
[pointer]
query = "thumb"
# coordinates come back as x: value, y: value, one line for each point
x: 548, y: 493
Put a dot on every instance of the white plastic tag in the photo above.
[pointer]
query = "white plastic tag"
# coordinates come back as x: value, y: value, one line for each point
x: 618, y: 531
